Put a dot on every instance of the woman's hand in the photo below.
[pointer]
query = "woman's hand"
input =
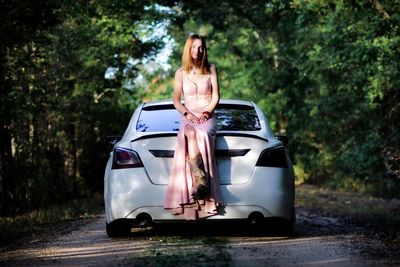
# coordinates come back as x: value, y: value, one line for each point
x: 203, y: 118
x: 192, y: 118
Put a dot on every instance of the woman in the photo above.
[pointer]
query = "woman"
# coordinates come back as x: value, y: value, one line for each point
x: 193, y: 190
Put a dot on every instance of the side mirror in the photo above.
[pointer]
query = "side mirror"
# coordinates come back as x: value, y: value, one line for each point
x: 283, y: 138
x: 112, y: 140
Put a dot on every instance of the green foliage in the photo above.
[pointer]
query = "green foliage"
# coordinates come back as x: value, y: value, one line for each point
x: 57, y: 105
x: 325, y: 73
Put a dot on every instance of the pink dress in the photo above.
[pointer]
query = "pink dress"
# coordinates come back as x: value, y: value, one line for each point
x: 179, y: 199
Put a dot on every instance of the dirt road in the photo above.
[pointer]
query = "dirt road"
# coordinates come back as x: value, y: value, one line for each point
x: 318, y: 241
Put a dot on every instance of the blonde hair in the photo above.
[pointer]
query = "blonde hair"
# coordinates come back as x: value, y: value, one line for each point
x: 187, y: 60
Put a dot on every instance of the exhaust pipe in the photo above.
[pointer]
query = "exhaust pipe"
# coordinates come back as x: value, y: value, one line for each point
x: 255, y: 218
x: 144, y: 220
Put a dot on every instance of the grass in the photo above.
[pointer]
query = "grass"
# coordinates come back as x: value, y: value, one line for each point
x: 180, y: 250
x: 380, y: 215
x: 40, y: 222
x: 184, y: 246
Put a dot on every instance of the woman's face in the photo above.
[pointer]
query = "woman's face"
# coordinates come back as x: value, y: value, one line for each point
x: 197, y: 49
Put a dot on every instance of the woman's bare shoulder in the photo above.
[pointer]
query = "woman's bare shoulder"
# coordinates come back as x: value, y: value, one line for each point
x: 179, y: 72
x: 213, y: 68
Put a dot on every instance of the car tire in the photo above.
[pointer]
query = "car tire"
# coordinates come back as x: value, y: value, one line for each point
x: 117, y: 229
x: 287, y: 226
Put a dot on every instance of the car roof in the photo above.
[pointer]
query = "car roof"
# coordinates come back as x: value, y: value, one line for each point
x: 222, y: 101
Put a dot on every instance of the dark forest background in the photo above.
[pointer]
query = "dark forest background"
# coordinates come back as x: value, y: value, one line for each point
x: 326, y: 73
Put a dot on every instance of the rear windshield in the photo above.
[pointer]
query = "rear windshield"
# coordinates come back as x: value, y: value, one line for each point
x: 230, y: 117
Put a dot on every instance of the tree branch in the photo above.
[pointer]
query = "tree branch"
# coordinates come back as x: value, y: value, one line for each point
x: 380, y: 9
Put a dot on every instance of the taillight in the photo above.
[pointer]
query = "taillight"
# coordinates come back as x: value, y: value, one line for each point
x: 125, y: 158
x: 273, y: 157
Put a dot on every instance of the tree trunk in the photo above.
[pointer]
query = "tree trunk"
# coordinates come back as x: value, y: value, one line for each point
x: 6, y: 171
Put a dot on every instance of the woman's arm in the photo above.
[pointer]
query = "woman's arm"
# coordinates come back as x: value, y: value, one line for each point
x: 215, y: 89
x: 214, y: 96
x: 178, y: 86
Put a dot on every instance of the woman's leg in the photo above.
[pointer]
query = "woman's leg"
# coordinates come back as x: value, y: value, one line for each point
x: 193, y: 147
x: 200, y: 183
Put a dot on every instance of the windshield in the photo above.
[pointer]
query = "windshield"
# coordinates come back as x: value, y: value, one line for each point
x: 230, y: 117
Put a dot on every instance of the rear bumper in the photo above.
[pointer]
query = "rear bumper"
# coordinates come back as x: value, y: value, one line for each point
x: 269, y: 191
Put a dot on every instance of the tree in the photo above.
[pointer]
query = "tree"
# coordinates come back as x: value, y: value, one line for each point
x: 56, y: 104
x: 323, y: 71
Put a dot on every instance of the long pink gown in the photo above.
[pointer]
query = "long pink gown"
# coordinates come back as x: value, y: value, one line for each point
x: 179, y: 200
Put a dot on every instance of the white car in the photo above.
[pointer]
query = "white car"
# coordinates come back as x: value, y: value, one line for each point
x: 255, y: 172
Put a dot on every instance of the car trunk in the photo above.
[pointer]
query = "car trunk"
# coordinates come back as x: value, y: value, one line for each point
x: 236, y: 156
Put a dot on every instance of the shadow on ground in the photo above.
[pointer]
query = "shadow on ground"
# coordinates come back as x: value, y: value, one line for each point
x: 307, y: 225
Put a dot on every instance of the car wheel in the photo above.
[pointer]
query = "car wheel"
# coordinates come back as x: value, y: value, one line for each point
x: 117, y: 229
x: 287, y: 226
